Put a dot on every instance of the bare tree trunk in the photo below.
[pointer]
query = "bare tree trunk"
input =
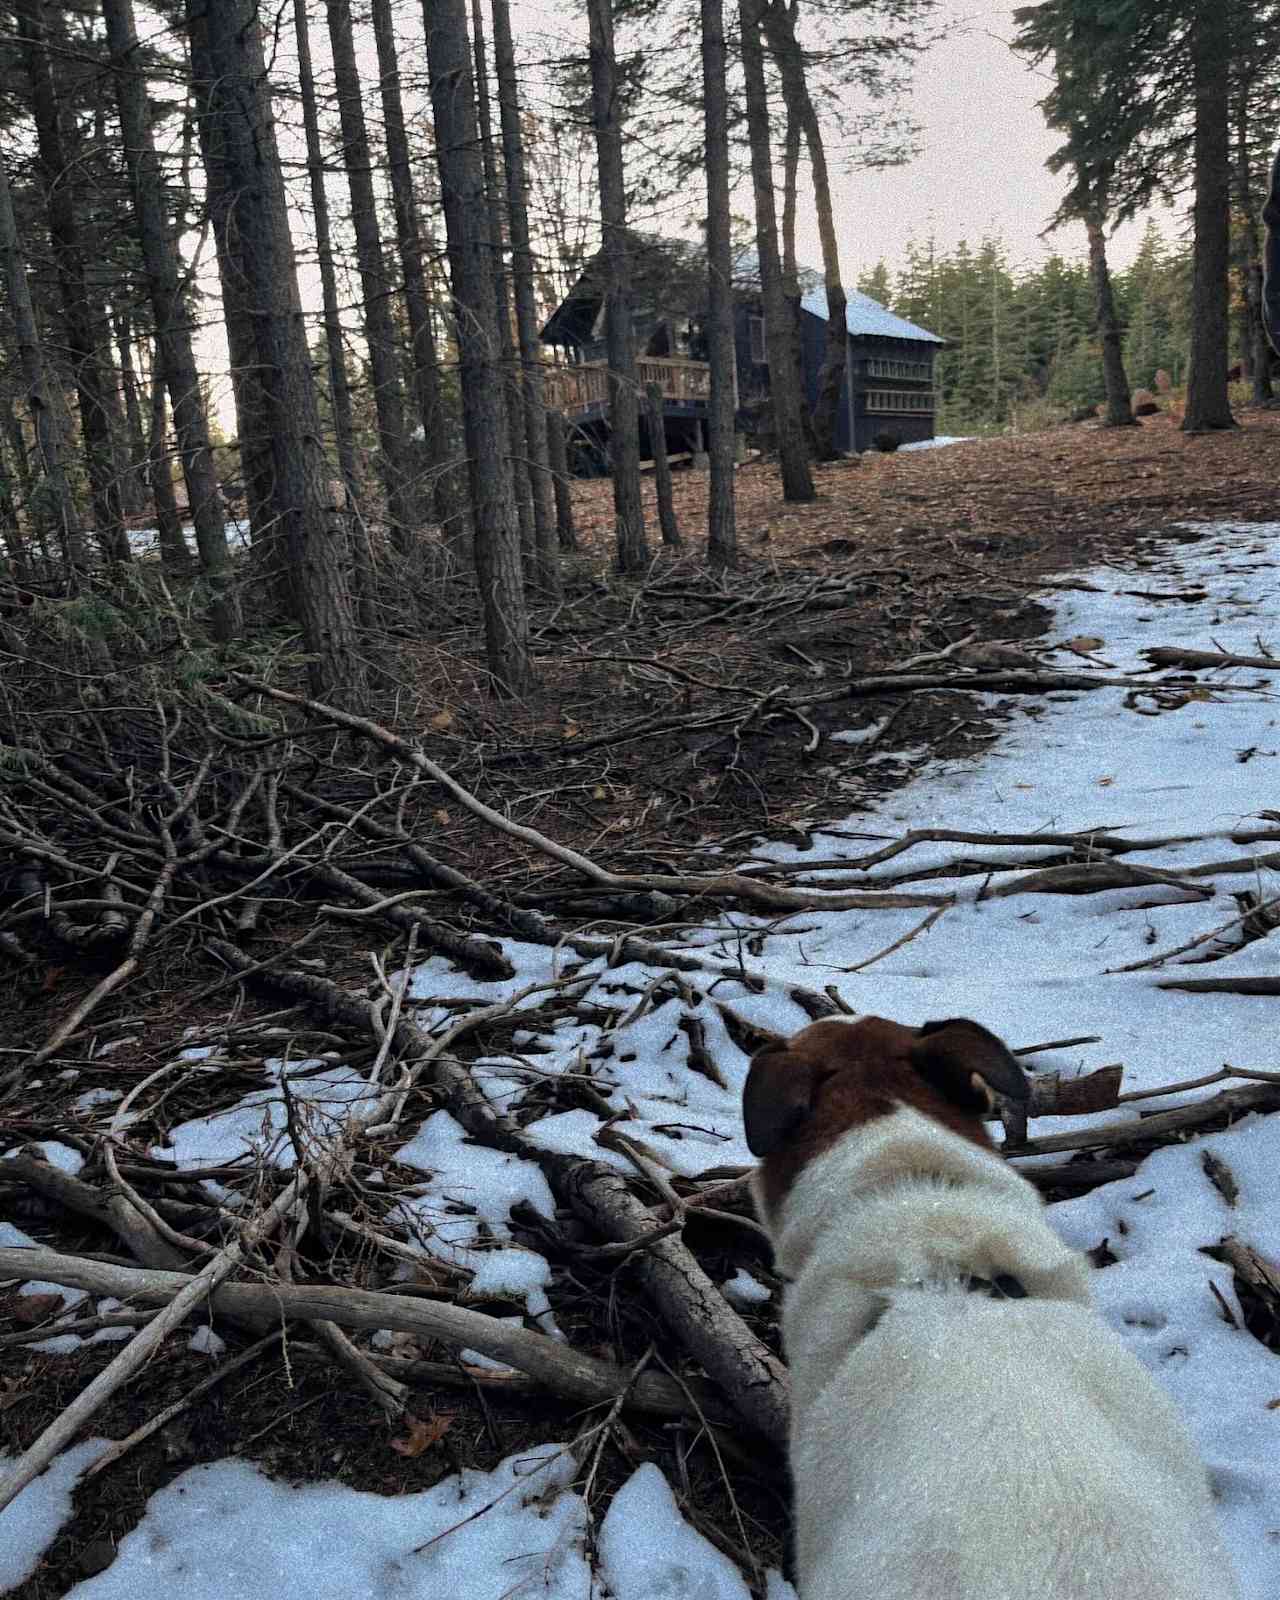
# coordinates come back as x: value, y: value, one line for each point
x: 1257, y: 349
x: 1119, y: 411
x: 173, y: 546
x: 624, y: 416
x: 437, y: 432
x: 558, y: 456
x: 797, y: 482
x: 1271, y: 258
x: 779, y: 19
x: 315, y: 542
x: 132, y: 487
x: 511, y: 411
x: 55, y: 508
x: 174, y: 355
x: 10, y: 533
x: 661, y: 467
x: 791, y: 268
x: 257, y: 464
x: 497, y: 537
x: 722, y: 536
x: 335, y: 350
x: 86, y: 334
x: 1208, y: 406
x: 375, y: 287
x: 546, y: 565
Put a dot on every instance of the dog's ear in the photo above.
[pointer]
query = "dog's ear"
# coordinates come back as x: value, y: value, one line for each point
x: 777, y: 1097
x: 968, y: 1065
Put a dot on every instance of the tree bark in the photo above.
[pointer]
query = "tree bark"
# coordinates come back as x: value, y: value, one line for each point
x: 335, y: 349
x: 791, y: 268
x: 624, y: 418
x: 722, y: 536
x: 56, y: 510
x: 133, y: 486
x: 797, y: 481
x: 1271, y: 258
x: 260, y: 253
x: 546, y: 565
x: 375, y: 287
x: 433, y: 414
x: 1210, y: 41
x: 1257, y: 348
x: 558, y: 456
x: 174, y: 355
x: 257, y: 468
x: 779, y: 20
x: 173, y: 546
x: 511, y: 409
x: 662, y: 468
x: 1119, y: 411
x: 85, y: 329
x: 497, y: 537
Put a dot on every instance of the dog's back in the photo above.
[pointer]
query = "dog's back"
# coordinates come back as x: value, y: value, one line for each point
x: 948, y: 1443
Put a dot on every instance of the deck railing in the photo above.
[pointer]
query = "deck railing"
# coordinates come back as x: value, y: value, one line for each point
x: 575, y: 390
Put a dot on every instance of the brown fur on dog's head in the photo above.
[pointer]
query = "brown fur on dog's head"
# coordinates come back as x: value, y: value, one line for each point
x: 833, y: 1076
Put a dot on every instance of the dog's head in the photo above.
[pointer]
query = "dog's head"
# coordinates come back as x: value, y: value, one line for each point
x: 835, y: 1076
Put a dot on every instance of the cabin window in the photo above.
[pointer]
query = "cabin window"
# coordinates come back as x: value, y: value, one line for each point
x: 755, y: 330
x: 899, y: 400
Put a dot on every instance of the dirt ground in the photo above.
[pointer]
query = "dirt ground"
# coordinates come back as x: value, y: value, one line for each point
x: 651, y: 740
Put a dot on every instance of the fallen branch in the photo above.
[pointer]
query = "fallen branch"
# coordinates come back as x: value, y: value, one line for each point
x: 1181, y: 1119
x: 555, y: 1365
x: 690, y: 1303
x: 1164, y: 655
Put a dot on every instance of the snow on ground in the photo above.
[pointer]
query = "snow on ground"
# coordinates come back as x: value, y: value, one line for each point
x: 937, y: 442
x: 146, y: 541
x: 1033, y: 967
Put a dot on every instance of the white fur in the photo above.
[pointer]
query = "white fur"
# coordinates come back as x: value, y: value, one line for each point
x: 950, y: 1446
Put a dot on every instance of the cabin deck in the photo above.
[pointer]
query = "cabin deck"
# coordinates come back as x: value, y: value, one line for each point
x: 581, y: 391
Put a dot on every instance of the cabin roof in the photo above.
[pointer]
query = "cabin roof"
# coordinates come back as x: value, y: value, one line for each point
x: 653, y: 256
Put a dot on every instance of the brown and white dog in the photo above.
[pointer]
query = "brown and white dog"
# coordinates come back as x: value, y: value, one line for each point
x: 964, y: 1424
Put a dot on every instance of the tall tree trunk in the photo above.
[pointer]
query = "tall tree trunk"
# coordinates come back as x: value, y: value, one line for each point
x: 335, y: 350
x: 558, y: 457
x: 1271, y: 258
x: 791, y: 267
x: 624, y: 417
x: 722, y: 537
x: 375, y: 286
x: 133, y: 486
x: 173, y: 546
x: 174, y: 354
x: 1119, y: 411
x: 86, y: 335
x: 661, y: 466
x: 506, y: 347
x: 10, y: 534
x: 497, y: 537
x: 546, y: 558
x: 433, y: 414
x: 55, y: 508
x: 1257, y: 348
x: 797, y: 482
x: 779, y: 20
x: 1210, y: 39
x: 315, y: 545
x: 253, y: 430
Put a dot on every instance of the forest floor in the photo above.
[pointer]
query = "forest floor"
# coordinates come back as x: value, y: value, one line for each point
x: 682, y: 722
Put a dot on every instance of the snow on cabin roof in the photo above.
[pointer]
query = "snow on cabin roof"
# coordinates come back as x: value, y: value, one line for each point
x: 866, y: 316
x: 863, y: 316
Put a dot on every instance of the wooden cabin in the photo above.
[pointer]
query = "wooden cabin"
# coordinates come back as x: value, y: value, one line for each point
x: 888, y: 386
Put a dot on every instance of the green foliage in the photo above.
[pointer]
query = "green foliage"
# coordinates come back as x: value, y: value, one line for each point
x: 1021, y: 346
